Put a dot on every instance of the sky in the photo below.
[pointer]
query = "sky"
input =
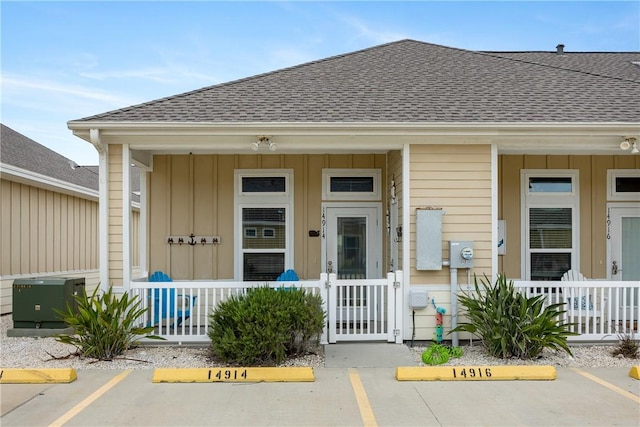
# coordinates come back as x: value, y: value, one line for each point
x: 63, y: 61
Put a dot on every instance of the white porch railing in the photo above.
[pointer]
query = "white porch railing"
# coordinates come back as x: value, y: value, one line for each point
x: 598, y: 310
x: 357, y: 310
x: 169, y: 315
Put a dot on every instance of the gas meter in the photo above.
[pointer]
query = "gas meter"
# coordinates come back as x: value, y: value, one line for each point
x: 460, y: 254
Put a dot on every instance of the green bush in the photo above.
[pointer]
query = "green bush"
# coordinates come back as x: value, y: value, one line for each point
x: 104, y: 325
x: 265, y: 326
x: 510, y: 324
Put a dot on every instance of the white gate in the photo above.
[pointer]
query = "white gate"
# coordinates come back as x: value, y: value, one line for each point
x: 365, y: 309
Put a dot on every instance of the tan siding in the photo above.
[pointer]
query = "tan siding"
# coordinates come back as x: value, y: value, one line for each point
x: 196, y: 193
x: 5, y: 231
x: 593, y: 201
x: 395, y: 174
x: 456, y: 167
x: 115, y: 214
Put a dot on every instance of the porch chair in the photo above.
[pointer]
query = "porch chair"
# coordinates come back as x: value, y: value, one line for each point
x: 287, y: 276
x: 162, y: 295
x: 576, y: 276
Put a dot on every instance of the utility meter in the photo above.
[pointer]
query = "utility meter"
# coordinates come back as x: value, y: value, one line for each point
x: 460, y: 254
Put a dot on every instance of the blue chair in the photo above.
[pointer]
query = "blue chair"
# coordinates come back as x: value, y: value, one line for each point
x: 162, y: 296
x: 287, y: 276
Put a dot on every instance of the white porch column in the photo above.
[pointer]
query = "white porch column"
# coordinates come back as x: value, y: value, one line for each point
x: 406, y: 235
x: 494, y: 211
x: 143, y: 233
x: 103, y: 208
x: 126, y: 217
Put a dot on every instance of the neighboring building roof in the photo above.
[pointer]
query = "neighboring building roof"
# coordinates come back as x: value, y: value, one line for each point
x: 21, y: 152
x: 18, y: 151
x: 416, y: 82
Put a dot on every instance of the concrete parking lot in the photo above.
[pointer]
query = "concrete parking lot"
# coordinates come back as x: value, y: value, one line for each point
x: 338, y: 397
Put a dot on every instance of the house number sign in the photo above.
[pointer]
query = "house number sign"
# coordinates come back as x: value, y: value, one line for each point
x: 232, y: 375
x: 471, y: 373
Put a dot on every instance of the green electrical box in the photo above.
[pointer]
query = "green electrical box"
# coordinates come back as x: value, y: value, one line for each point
x: 35, y: 299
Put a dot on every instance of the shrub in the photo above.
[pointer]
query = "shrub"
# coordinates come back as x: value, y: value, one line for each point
x: 510, y: 324
x: 104, y: 325
x: 265, y: 326
x: 627, y: 347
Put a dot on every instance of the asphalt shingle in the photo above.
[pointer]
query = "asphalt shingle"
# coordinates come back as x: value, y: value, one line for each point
x: 411, y: 81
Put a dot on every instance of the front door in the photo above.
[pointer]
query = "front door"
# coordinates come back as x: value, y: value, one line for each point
x: 624, y: 246
x: 353, y: 241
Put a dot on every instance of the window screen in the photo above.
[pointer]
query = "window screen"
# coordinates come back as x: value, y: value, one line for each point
x: 263, y: 184
x: 550, y: 228
x: 627, y: 184
x: 543, y: 184
x: 351, y: 184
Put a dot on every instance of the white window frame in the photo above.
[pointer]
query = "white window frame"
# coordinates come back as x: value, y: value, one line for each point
x: 328, y: 174
x: 253, y: 235
x: 570, y: 199
x: 612, y: 194
x: 271, y: 230
x: 262, y: 200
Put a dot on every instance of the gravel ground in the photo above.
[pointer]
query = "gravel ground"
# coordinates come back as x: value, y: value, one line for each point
x: 26, y: 352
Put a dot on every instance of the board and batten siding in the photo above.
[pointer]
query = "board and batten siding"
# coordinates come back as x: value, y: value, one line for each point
x: 457, y: 179
x: 45, y: 233
x: 195, y: 194
x: 592, y: 172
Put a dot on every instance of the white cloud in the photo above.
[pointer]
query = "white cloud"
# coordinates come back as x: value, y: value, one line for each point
x: 370, y: 34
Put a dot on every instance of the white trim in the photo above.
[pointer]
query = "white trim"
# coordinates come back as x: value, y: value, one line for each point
x: 262, y: 200
x: 48, y: 183
x: 494, y: 211
x: 61, y: 273
x: 103, y: 217
x: 610, y: 206
x: 328, y: 174
x: 253, y: 235
x: 612, y: 194
x: 126, y: 217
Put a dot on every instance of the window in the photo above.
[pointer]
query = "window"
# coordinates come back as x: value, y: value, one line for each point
x: 550, y: 223
x: 623, y: 185
x: 264, y: 220
x: 351, y: 184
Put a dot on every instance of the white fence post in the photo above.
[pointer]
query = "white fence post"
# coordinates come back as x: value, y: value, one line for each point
x: 324, y: 338
x: 333, y: 304
x: 398, y: 292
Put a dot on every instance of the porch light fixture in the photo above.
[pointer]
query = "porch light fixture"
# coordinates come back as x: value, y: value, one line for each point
x: 265, y: 142
x: 630, y: 142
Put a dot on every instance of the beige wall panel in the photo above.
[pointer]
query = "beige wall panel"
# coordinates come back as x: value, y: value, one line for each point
x: 25, y: 226
x: 159, y: 191
x: 312, y: 199
x: 204, y: 221
x: 558, y: 162
x: 364, y: 161
x: 16, y: 218
x: 5, y: 231
x: 247, y: 161
x: 181, y: 215
x: 599, y: 214
x: 271, y: 161
x: 509, y: 199
x: 535, y: 162
x: 626, y: 162
x: 337, y: 161
x: 50, y: 245
x: 452, y: 163
x: 34, y: 232
x: 395, y: 174
x: 224, y: 215
x: 57, y: 232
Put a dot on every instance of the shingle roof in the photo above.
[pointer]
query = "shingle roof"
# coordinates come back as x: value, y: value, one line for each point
x: 21, y: 152
x: 411, y: 81
x: 24, y: 153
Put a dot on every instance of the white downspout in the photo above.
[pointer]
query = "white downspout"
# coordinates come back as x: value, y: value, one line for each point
x: 103, y: 206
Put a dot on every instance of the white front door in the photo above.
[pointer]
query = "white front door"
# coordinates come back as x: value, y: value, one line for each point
x: 353, y: 241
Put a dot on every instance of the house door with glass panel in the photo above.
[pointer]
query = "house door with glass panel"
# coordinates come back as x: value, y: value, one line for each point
x: 353, y: 241
x: 623, y: 247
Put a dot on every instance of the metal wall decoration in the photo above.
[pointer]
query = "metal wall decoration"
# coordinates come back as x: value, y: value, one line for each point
x: 193, y: 240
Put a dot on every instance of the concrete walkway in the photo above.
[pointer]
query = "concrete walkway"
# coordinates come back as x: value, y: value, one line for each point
x: 357, y: 387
